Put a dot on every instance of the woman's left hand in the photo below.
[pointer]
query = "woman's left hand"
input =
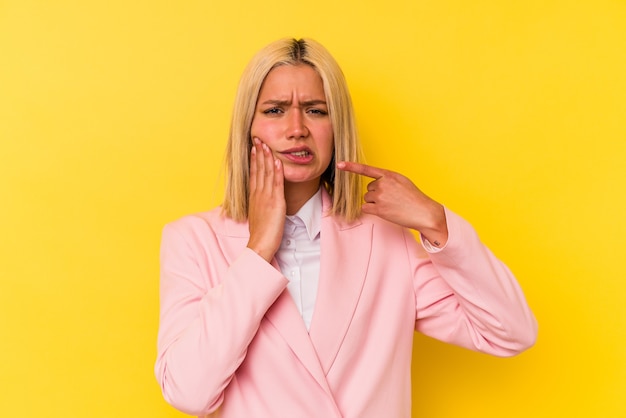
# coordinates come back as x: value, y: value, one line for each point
x: 395, y: 198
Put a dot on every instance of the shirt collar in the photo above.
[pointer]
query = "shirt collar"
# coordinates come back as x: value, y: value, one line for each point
x: 311, y: 215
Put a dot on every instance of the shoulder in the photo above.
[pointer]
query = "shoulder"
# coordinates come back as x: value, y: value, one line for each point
x: 212, y: 221
x: 381, y: 230
x: 194, y: 221
x: 381, y: 226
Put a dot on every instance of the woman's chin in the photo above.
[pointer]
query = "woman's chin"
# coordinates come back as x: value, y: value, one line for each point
x: 299, y: 174
x: 302, y: 180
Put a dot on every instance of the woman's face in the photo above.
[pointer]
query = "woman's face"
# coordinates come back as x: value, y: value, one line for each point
x: 291, y: 117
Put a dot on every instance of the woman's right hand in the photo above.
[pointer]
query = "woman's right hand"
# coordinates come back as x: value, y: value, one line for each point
x: 267, y: 207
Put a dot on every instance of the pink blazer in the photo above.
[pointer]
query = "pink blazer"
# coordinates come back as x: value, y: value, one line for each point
x: 232, y: 343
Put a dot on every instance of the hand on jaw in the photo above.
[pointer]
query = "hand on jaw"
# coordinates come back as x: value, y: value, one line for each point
x: 267, y: 207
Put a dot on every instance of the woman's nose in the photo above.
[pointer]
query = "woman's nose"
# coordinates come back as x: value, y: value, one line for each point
x: 296, y: 125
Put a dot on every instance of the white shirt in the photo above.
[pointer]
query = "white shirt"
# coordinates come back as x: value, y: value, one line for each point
x: 299, y: 255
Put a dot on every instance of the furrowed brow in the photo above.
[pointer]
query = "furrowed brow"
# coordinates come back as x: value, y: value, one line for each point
x: 277, y: 102
x: 288, y: 102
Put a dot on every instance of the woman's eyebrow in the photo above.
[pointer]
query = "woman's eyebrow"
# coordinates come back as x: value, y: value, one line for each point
x: 277, y: 102
x: 313, y: 102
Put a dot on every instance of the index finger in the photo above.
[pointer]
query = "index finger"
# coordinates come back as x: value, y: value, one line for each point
x: 362, y: 169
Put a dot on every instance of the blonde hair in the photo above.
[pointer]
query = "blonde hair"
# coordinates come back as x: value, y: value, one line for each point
x: 345, y: 188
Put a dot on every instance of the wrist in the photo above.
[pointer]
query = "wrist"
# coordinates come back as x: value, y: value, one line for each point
x: 436, y: 230
x: 265, y: 253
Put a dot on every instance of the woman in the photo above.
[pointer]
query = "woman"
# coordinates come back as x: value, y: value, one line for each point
x: 293, y: 299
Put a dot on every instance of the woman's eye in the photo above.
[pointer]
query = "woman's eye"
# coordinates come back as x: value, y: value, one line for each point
x: 272, y: 111
x: 318, y: 111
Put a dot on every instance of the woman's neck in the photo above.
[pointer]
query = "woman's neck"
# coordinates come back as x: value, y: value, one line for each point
x: 297, y: 194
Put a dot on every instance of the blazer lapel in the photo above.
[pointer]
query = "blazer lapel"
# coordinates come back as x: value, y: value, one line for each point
x: 283, y: 314
x: 345, y: 255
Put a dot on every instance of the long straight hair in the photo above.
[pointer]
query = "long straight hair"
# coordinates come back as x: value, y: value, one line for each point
x: 345, y: 188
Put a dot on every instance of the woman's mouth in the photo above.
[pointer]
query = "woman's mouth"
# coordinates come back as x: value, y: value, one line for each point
x: 300, y: 153
x: 300, y: 156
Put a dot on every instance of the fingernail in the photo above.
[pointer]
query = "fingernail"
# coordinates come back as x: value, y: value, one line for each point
x: 277, y: 163
x: 256, y: 140
x: 341, y: 164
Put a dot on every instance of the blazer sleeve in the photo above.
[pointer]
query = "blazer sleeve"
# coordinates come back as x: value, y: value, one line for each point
x: 466, y: 296
x: 206, y: 323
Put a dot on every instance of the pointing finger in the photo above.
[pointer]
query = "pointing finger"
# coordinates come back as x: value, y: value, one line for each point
x: 362, y: 169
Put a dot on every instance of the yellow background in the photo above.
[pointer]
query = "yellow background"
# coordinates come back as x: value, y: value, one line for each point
x: 113, y: 120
